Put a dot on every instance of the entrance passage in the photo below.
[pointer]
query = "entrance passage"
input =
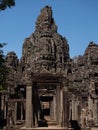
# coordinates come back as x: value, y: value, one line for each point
x: 45, y: 103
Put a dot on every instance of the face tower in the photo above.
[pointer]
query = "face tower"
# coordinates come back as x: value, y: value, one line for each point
x: 45, y: 50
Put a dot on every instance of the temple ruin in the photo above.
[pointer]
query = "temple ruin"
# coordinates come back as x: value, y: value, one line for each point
x: 46, y: 87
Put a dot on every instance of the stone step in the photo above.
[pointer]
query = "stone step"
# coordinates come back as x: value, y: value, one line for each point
x: 94, y: 128
x: 47, y: 128
x: 51, y: 123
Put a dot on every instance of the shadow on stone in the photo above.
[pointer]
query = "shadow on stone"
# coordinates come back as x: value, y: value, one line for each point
x: 75, y: 125
x: 42, y: 123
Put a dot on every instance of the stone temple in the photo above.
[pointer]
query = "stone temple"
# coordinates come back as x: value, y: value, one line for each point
x: 46, y: 87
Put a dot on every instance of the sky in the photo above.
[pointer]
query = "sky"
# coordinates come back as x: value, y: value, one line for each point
x: 77, y: 21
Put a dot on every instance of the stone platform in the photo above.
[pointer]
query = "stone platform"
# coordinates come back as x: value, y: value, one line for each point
x: 94, y: 128
x: 47, y: 128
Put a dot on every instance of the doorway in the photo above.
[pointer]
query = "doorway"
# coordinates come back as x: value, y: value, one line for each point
x: 45, y: 103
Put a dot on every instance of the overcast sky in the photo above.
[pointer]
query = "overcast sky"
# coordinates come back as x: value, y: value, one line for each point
x: 77, y: 20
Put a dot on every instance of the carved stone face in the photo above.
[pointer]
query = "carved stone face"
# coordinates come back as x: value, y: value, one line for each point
x: 11, y: 58
x: 45, y: 49
x: 44, y: 20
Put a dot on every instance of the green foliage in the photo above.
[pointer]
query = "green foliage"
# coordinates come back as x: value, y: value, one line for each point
x: 1, y: 54
x: 6, y: 3
x: 3, y: 69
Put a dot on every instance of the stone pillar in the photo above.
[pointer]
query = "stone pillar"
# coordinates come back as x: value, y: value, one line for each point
x: 2, y: 106
x: 65, y: 107
x: 21, y: 110
x: 76, y: 109
x: 61, y: 105
x: 52, y: 110
x: 70, y: 110
x: 54, y: 102
x: 58, y: 104
x: 73, y: 107
x: 5, y: 109
x: 2, y: 101
x: 90, y: 103
x: 15, y: 118
x: 95, y: 112
x: 29, y: 112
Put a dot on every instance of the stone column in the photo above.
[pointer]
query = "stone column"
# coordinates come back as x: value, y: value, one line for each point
x: 70, y: 110
x: 73, y: 107
x: 2, y: 102
x: 54, y: 102
x: 6, y: 107
x: 95, y: 112
x: 50, y: 107
x: 90, y: 103
x: 52, y: 110
x: 29, y: 112
x: 15, y: 118
x: 21, y: 110
x: 61, y: 105
x: 65, y: 107
x: 2, y: 106
x: 76, y: 109
x: 58, y: 104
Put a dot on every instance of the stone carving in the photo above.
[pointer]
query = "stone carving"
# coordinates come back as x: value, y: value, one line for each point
x: 12, y: 60
x: 45, y: 49
x: 11, y: 113
x: 91, y: 54
x: 86, y: 117
x: 47, y: 52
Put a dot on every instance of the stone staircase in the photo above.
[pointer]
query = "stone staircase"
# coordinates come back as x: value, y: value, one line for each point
x: 48, y: 128
x: 52, y: 125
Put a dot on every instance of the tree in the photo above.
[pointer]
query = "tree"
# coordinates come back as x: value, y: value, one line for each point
x: 3, y: 69
x: 6, y: 3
